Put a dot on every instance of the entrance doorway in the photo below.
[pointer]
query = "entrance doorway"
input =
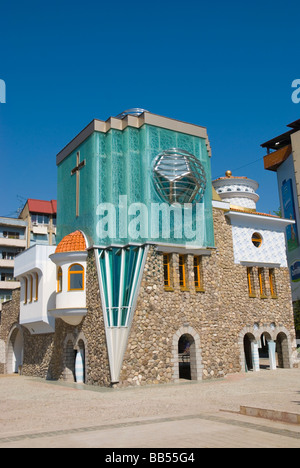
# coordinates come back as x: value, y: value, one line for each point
x: 186, y: 354
x: 15, y: 352
x: 186, y: 344
x: 80, y: 363
x: 283, y: 351
x: 248, y: 339
x: 70, y: 356
x: 263, y: 351
x: 267, y: 348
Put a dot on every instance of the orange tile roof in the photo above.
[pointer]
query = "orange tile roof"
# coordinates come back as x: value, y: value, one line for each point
x: 255, y: 213
x: 231, y: 177
x: 74, y: 242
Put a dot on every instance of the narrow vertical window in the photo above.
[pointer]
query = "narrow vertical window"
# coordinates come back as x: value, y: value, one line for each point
x: 272, y: 281
x: 198, y: 274
x: 167, y: 272
x: 36, y: 287
x: 76, y: 278
x: 250, y: 279
x: 262, y: 283
x: 59, y: 280
x: 25, y: 291
x: 182, y: 271
x: 31, y: 288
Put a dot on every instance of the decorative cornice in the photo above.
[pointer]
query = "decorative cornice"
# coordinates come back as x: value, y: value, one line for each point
x: 135, y: 122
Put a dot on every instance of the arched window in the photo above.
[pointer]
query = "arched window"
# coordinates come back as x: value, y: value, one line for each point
x: 76, y: 278
x: 30, y: 288
x: 59, y: 280
x: 36, y: 287
x: 25, y: 290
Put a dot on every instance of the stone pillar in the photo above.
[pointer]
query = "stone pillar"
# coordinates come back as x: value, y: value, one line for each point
x: 272, y: 356
x: 255, y: 356
x: 79, y: 367
x: 193, y: 361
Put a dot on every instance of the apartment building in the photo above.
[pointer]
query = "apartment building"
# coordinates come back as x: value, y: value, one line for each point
x: 36, y: 225
x: 283, y: 157
x: 13, y: 240
x: 40, y: 216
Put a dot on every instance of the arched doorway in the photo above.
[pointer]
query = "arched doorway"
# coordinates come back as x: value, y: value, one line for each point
x: 15, y: 351
x: 265, y: 347
x: 248, y: 340
x: 282, y: 345
x: 80, y: 362
x: 186, y: 353
x: 263, y: 351
x: 185, y: 343
x: 69, y: 357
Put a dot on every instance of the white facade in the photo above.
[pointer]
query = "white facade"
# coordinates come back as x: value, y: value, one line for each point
x: 70, y: 304
x: 41, y: 301
x: 239, y: 191
x: 37, y: 276
x: 239, y: 198
x: 271, y: 230
x: 13, y: 234
x: 287, y: 189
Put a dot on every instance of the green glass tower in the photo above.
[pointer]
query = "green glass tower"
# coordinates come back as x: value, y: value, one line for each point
x: 108, y: 182
x: 127, y: 182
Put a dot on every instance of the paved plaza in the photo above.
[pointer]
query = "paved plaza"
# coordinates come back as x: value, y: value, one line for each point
x: 37, y: 413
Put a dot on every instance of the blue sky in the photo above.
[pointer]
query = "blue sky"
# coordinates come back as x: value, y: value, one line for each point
x: 227, y: 66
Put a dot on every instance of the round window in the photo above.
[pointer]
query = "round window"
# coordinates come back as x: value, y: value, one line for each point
x: 256, y: 239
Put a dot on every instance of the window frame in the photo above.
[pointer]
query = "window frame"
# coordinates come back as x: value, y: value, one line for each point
x: 262, y: 283
x: 36, y: 286
x: 30, y: 288
x: 250, y: 279
x: 182, y: 272
x: 79, y: 272
x: 25, y: 290
x: 40, y: 218
x: 257, y: 238
x: 59, y: 279
x: 198, y: 273
x: 167, y: 271
x: 272, y: 282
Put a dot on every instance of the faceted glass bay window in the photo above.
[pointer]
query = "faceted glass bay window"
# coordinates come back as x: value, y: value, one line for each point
x: 120, y: 271
x: 179, y: 177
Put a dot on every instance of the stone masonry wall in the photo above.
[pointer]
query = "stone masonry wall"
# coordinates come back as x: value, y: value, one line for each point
x: 215, y: 318
x: 9, y: 318
x: 48, y: 356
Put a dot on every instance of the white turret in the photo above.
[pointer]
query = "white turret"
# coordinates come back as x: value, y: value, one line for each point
x: 238, y: 191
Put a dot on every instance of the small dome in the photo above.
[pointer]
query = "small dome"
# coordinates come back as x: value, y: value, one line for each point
x: 74, y: 242
x: 237, y: 190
